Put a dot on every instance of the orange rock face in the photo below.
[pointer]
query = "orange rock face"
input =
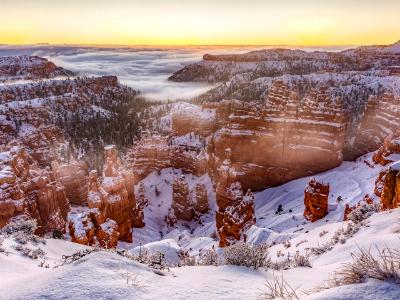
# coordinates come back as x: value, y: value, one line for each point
x: 181, y: 203
x: 316, y: 197
x: 74, y: 177
x: 201, y: 199
x: 28, y: 67
x: 121, y: 203
x: 381, y: 118
x: 90, y: 228
x: 235, y: 211
x: 141, y: 203
x: 237, y: 218
x: 26, y: 189
x: 387, y: 187
x: 389, y: 151
x: 156, y: 153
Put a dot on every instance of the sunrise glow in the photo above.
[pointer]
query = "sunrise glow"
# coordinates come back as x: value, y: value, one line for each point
x: 157, y: 22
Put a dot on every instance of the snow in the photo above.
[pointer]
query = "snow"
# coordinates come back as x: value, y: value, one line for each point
x: 108, y: 275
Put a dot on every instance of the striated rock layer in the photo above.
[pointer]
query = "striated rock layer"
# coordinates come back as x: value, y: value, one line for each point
x: 27, y: 189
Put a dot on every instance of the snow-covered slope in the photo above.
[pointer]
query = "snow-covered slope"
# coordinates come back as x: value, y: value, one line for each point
x: 108, y: 275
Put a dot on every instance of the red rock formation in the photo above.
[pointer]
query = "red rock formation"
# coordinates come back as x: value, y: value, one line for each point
x: 120, y: 205
x: 188, y: 118
x: 74, y: 177
x: 26, y: 189
x: 28, y: 67
x: 97, y: 196
x: 235, y: 211
x: 237, y: 218
x: 89, y: 228
x: 156, y: 153
x: 200, y: 199
x: 316, y: 197
x: 387, y: 187
x: 389, y: 151
x: 381, y: 118
x: 141, y: 203
x: 181, y: 202
x: 149, y: 155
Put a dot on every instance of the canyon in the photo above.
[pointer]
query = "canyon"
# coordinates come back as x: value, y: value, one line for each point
x: 77, y: 152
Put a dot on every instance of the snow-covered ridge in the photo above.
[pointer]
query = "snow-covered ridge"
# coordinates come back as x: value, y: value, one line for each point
x: 26, y: 67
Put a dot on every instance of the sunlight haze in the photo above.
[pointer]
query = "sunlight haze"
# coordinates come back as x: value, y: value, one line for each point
x: 157, y: 22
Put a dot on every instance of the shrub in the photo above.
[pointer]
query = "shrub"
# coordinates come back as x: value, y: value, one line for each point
x: 242, y: 254
x: 2, y: 249
x: 319, y: 250
x: 57, y: 234
x: 301, y: 260
x: 278, y: 288
x: 209, y: 258
x: 185, y: 259
x: 384, y: 266
x: 157, y: 261
x: 363, y: 211
x: 21, y: 224
x: 31, y: 253
x: 297, y: 260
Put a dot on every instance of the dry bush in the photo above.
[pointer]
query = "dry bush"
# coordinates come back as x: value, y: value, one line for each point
x: 384, y: 266
x: 320, y: 249
x: 297, y: 260
x: 322, y: 233
x: 242, y: 254
x: 301, y: 260
x: 209, y: 258
x: 2, y: 249
x: 22, y: 229
x: 278, y: 288
x: 185, y: 259
x: 31, y: 253
x: 301, y: 242
x: 363, y: 212
x: 20, y: 224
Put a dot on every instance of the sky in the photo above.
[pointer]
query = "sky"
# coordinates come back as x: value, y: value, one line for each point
x: 202, y: 22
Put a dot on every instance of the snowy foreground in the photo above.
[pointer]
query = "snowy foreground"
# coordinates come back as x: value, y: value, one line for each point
x: 110, y: 275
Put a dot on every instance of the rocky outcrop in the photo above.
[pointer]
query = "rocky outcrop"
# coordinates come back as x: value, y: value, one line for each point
x: 113, y: 210
x: 90, y: 228
x: 121, y: 202
x: 277, y: 62
x: 156, y: 153
x: 181, y: 202
x: 285, y: 138
x: 187, y: 118
x: 316, y: 197
x: 235, y: 212
x: 387, y: 187
x: 237, y: 217
x: 27, y: 189
x: 389, y: 151
x: 380, y: 120
x: 141, y: 203
x: 201, y: 199
x: 29, y: 67
x: 74, y: 177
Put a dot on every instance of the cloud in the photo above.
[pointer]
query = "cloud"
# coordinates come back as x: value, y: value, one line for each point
x: 142, y: 68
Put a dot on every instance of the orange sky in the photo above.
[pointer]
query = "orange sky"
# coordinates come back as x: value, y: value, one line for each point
x: 206, y: 22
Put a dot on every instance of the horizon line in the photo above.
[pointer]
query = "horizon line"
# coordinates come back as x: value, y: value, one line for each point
x: 189, y: 45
